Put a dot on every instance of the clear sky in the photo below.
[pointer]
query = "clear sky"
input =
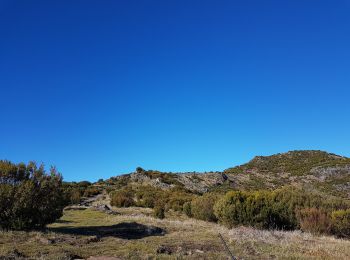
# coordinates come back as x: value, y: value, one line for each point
x: 98, y: 88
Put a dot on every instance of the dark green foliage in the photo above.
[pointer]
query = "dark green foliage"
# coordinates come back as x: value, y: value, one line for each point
x: 271, y: 209
x: 202, y: 207
x: 139, y: 170
x: 29, y: 198
x: 251, y: 209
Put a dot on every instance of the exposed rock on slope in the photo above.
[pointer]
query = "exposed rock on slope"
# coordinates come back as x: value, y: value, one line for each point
x: 196, y: 182
x: 315, y: 170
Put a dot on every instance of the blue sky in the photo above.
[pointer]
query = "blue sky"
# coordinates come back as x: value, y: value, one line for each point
x: 98, y: 88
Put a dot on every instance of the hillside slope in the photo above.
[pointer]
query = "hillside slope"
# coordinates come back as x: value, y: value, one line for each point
x: 316, y: 171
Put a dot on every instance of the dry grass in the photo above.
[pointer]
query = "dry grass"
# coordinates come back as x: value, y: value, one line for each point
x: 184, y: 239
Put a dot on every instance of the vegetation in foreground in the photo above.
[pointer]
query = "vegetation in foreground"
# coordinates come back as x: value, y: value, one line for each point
x: 85, y: 233
x: 30, y: 199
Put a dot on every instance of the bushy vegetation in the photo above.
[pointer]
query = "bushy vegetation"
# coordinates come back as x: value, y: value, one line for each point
x: 91, y: 191
x: 320, y: 221
x: 314, y: 220
x: 245, y: 208
x: 165, y: 177
x: 150, y: 197
x: 201, y: 207
x: 285, y: 208
x: 294, y: 162
x: 75, y: 191
x: 122, y: 198
x: 29, y: 197
x: 340, y: 221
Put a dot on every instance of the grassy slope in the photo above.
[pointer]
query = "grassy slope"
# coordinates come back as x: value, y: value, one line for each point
x: 187, y: 238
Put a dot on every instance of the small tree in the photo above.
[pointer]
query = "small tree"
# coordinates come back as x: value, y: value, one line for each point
x: 29, y: 198
x: 139, y: 170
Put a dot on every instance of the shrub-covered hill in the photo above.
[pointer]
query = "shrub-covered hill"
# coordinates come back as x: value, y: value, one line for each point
x: 314, y: 170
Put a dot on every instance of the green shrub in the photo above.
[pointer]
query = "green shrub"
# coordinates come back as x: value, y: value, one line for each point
x: 122, y: 198
x: 269, y: 209
x: 340, y: 220
x: 314, y: 220
x: 176, y: 199
x: 147, y: 196
x: 29, y: 198
x: 202, y: 207
x: 244, y: 208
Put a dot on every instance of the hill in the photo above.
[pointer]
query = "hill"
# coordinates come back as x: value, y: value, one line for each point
x: 317, y: 171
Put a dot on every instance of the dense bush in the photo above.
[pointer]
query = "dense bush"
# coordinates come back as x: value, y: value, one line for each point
x: 314, y: 220
x: 149, y: 197
x: 340, y: 220
x: 176, y: 198
x: 273, y: 209
x: 202, y: 207
x: 245, y: 208
x: 29, y: 198
x: 74, y: 191
x: 122, y: 198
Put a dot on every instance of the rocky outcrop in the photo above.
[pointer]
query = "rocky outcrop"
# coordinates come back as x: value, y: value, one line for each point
x: 202, y: 182
x: 328, y: 172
